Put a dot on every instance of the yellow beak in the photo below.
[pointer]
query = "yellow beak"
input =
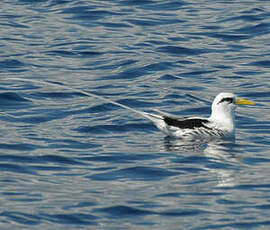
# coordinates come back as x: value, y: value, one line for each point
x: 242, y: 101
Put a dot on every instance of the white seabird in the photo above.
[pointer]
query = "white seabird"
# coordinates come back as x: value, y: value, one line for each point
x: 221, y: 123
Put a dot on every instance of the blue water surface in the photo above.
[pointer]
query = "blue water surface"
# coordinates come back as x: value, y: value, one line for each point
x: 71, y: 161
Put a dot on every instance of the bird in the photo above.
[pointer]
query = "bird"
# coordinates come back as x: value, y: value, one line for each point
x: 220, y: 124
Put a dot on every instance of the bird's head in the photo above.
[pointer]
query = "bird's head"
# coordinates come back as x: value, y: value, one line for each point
x: 225, y: 103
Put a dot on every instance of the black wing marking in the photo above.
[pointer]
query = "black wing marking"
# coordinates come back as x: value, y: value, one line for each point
x: 190, y: 123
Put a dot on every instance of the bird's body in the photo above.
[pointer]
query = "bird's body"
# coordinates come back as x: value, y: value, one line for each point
x: 221, y: 123
x: 189, y: 128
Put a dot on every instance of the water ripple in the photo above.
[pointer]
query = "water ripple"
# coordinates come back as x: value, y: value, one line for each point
x: 73, y: 219
x: 135, y: 173
x: 69, y: 160
x: 179, y: 51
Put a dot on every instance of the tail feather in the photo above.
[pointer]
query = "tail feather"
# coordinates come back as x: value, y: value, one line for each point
x: 152, y: 117
x: 155, y: 118
x: 158, y: 121
x: 164, y: 114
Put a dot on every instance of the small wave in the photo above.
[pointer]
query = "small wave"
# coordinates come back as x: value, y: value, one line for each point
x: 123, y: 211
x: 264, y: 63
x: 11, y: 64
x: 102, y: 129
x: 137, y: 173
x: 21, y: 218
x: 180, y: 51
x: 71, y: 218
x: 11, y: 98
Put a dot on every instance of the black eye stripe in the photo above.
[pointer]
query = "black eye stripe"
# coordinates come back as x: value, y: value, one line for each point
x: 228, y: 99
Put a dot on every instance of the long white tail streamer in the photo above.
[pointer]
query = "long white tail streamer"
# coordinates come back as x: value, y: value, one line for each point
x: 152, y: 117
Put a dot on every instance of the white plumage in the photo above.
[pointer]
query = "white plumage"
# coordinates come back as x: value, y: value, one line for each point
x: 221, y: 123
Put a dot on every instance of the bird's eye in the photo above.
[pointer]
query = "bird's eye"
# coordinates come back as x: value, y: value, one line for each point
x: 227, y: 99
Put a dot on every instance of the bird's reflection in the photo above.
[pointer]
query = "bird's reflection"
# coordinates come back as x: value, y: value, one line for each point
x: 180, y: 145
x: 216, y: 148
x: 222, y: 157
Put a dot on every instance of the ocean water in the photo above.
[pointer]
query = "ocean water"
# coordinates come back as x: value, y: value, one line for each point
x: 70, y: 161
